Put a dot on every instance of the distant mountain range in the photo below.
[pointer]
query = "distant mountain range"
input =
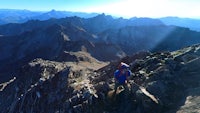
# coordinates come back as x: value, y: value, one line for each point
x: 193, y: 24
x: 21, y: 16
x: 102, y: 36
x: 49, y: 39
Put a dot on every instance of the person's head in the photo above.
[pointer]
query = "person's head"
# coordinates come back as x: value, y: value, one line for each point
x: 123, y: 67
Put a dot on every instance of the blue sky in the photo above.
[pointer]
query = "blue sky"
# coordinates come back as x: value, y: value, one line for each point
x: 52, y: 4
x: 126, y: 8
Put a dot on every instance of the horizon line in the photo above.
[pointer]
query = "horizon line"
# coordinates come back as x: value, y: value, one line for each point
x: 99, y: 13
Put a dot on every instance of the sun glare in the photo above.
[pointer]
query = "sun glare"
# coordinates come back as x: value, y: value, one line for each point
x: 148, y: 8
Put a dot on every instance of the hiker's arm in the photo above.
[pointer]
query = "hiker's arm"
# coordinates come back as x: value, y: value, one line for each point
x: 116, y: 74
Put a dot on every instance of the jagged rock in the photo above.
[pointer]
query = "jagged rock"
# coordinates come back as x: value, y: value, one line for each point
x: 54, y: 87
x: 67, y: 105
x: 134, y: 88
x: 102, y: 87
x: 86, y: 95
x: 78, y: 109
x: 74, y: 100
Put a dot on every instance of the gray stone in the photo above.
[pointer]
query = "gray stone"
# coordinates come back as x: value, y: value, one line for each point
x: 78, y: 109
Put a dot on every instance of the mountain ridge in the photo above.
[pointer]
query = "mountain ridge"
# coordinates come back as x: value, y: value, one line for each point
x: 166, y: 75
x: 110, y: 40
x: 182, y: 22
x: 21, y: 16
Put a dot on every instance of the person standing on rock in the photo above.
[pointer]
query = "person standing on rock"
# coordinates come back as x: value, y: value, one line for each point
x: 122, y: 76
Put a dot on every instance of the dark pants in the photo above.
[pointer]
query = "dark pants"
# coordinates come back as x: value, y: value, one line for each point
x: 117, y: 84
x: 126, y: 90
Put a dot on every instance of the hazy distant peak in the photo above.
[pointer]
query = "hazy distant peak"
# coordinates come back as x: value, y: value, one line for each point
x: 103, y: 16
x: 53, y: 10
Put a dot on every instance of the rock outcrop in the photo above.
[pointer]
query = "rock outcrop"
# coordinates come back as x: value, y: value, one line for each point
x: 48, y: 86
x: 165, y: 82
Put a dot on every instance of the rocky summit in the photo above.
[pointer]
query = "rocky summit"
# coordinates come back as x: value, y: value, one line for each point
x: 66, y: 66
x: 161, y: 82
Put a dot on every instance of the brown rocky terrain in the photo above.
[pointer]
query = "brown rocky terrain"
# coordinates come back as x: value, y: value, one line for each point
x: 86, y: 86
